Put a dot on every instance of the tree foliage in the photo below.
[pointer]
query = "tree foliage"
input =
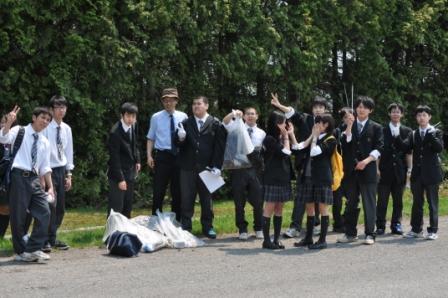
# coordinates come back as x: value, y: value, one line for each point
x: 102, y: 53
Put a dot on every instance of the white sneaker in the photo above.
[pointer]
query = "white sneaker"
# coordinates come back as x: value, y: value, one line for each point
x: 431, y: 236
x: 259, y: 234
x: 41, y: 256
x: 243, y: 236
x: 369, y: 240
x: 316, y: 231
x: 347, y: 239
x: 412, y: 234
x: 26, y: 257
x: 291, y: 233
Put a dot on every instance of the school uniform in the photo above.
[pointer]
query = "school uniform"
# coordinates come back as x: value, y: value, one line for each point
x: 426, y: 175
x: 4, y: 209
x: 61, y: 162
x: 366, y: 140
x: 247, y: 180
x: 315, y: 187
x: 338, y: 195
x: 393, y: 170
x: 202, y: 147
x: 25, y: 191
x: 162, y: 130
x: 303, y: 124
x: 123, y: 157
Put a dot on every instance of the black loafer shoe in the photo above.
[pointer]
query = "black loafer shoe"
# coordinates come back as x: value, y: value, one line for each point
x: 303, y: 243
x: 318, y: 245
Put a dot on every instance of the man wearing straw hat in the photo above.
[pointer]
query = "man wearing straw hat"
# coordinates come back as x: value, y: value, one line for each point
x: 162, y: 151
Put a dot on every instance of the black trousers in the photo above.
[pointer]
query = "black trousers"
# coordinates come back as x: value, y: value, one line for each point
x: 353, y: 189
x: 166, y: 171
x: 299, y: 210
x: 384, y: 191
x: 192, y: 185
x: 418, y: 190
x: 25, y: 193
x: 246, y: 180
x: 338, y: 217
x: 58, y: 208
x: 120, y: 200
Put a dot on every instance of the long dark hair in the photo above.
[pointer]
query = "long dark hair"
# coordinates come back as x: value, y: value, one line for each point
x: 275, y: 118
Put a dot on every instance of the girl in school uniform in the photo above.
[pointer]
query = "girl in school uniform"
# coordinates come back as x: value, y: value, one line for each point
x: 277, y: 174
x: 317, y: 178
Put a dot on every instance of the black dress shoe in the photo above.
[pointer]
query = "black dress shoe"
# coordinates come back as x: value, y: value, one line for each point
x: 279, y: 245
x: 269, y: 245
x: 46, y: 248
x: 379, y: 232
x: 318, y: 245
x: 303, y: 243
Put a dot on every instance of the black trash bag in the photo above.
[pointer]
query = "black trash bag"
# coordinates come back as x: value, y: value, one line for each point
x: 123, y: 244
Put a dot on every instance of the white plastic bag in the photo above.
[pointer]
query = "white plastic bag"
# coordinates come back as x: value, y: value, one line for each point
x: 151, y: 240
x: 238, y: 146
x: 166, y: 224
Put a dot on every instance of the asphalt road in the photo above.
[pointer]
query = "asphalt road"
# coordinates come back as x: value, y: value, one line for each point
x: 393, y: 267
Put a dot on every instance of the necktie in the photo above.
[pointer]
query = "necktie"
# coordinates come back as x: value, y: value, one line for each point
x: 360, y: 126
x: 34, y: 151
x: 201, y: 123
x: 59, y: 142
x: 422, y: 134
x: 173, y: 132
x: 250, y: 130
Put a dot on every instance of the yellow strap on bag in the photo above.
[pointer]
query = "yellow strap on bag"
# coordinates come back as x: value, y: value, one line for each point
x: 337, y: 167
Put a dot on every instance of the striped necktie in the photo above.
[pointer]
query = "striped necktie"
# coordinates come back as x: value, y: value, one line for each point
x: 59, y: 142
x: 34, y: 151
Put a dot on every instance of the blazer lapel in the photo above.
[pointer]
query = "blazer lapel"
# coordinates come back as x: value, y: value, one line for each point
x: 194, y: 125
x: 364, y: 129
x: 207, y: 123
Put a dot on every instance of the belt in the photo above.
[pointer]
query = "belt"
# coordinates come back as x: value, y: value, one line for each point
x: 25, y: 173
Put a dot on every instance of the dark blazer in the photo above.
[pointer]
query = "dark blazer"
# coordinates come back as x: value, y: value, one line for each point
x: 359, y: 148
x: 393, y: 165
x: 303, y: 124
x: 278, y: 168
x: 123, y: 154
x: 426, y: 163
x: 321, y: 171
x: 204, y: 148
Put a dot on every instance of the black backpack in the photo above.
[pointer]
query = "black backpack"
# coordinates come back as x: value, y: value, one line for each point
x: 7, y: 161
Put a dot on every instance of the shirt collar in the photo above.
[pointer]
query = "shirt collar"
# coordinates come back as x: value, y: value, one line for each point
x: 125, y: 126
x: 425, y: 129
x: 362, y: 122
x: 393, y: 127
x: 248, y: 126
x: 203, y: 119
x: 322, y: 135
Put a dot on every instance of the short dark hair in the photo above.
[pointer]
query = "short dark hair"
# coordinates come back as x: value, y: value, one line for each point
x: 326, y: 118
x: 42, y: 110
x: 346, y: 110
x: 366, y: 101
x: 423, y: 108
x: 395, y: 105
x: 129, y: 107
x: 201, y: 97
x: 58, y: 100
x: 319, y: 101
x: 250, y: 108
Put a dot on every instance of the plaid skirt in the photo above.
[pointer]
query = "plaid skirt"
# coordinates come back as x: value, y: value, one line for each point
x: 310, y: 193
x: 277, y: 193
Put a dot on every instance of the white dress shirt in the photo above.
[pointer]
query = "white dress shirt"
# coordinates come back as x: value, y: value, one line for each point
x: 203, y: 119
x: 23, y: 157
x: 395, y: 130
x: 257, y: 136
x: 67, y: 145
x: 160, y: 128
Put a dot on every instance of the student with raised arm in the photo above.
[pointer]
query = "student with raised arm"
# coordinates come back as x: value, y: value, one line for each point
x: 247, y: 179
x: 31, y: 163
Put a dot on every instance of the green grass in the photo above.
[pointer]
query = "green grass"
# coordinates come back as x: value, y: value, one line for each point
x: 224, y: 221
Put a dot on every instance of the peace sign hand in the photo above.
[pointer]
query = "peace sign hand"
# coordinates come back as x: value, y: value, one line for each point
x: 12, y: 116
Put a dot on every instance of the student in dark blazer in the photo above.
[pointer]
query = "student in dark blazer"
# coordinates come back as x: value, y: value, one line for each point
x: 362, y: 144
x: 5, y: 151
x: 124, y: 161
x: 426, y: 144
x: 277, y: 146
x: 303, y: 123
x: 317, y: 178
x: 201, y: 139
x: 393, y: 166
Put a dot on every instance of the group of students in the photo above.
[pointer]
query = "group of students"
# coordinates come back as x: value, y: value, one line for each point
x: 42, y: 161
x: 376, y: 160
